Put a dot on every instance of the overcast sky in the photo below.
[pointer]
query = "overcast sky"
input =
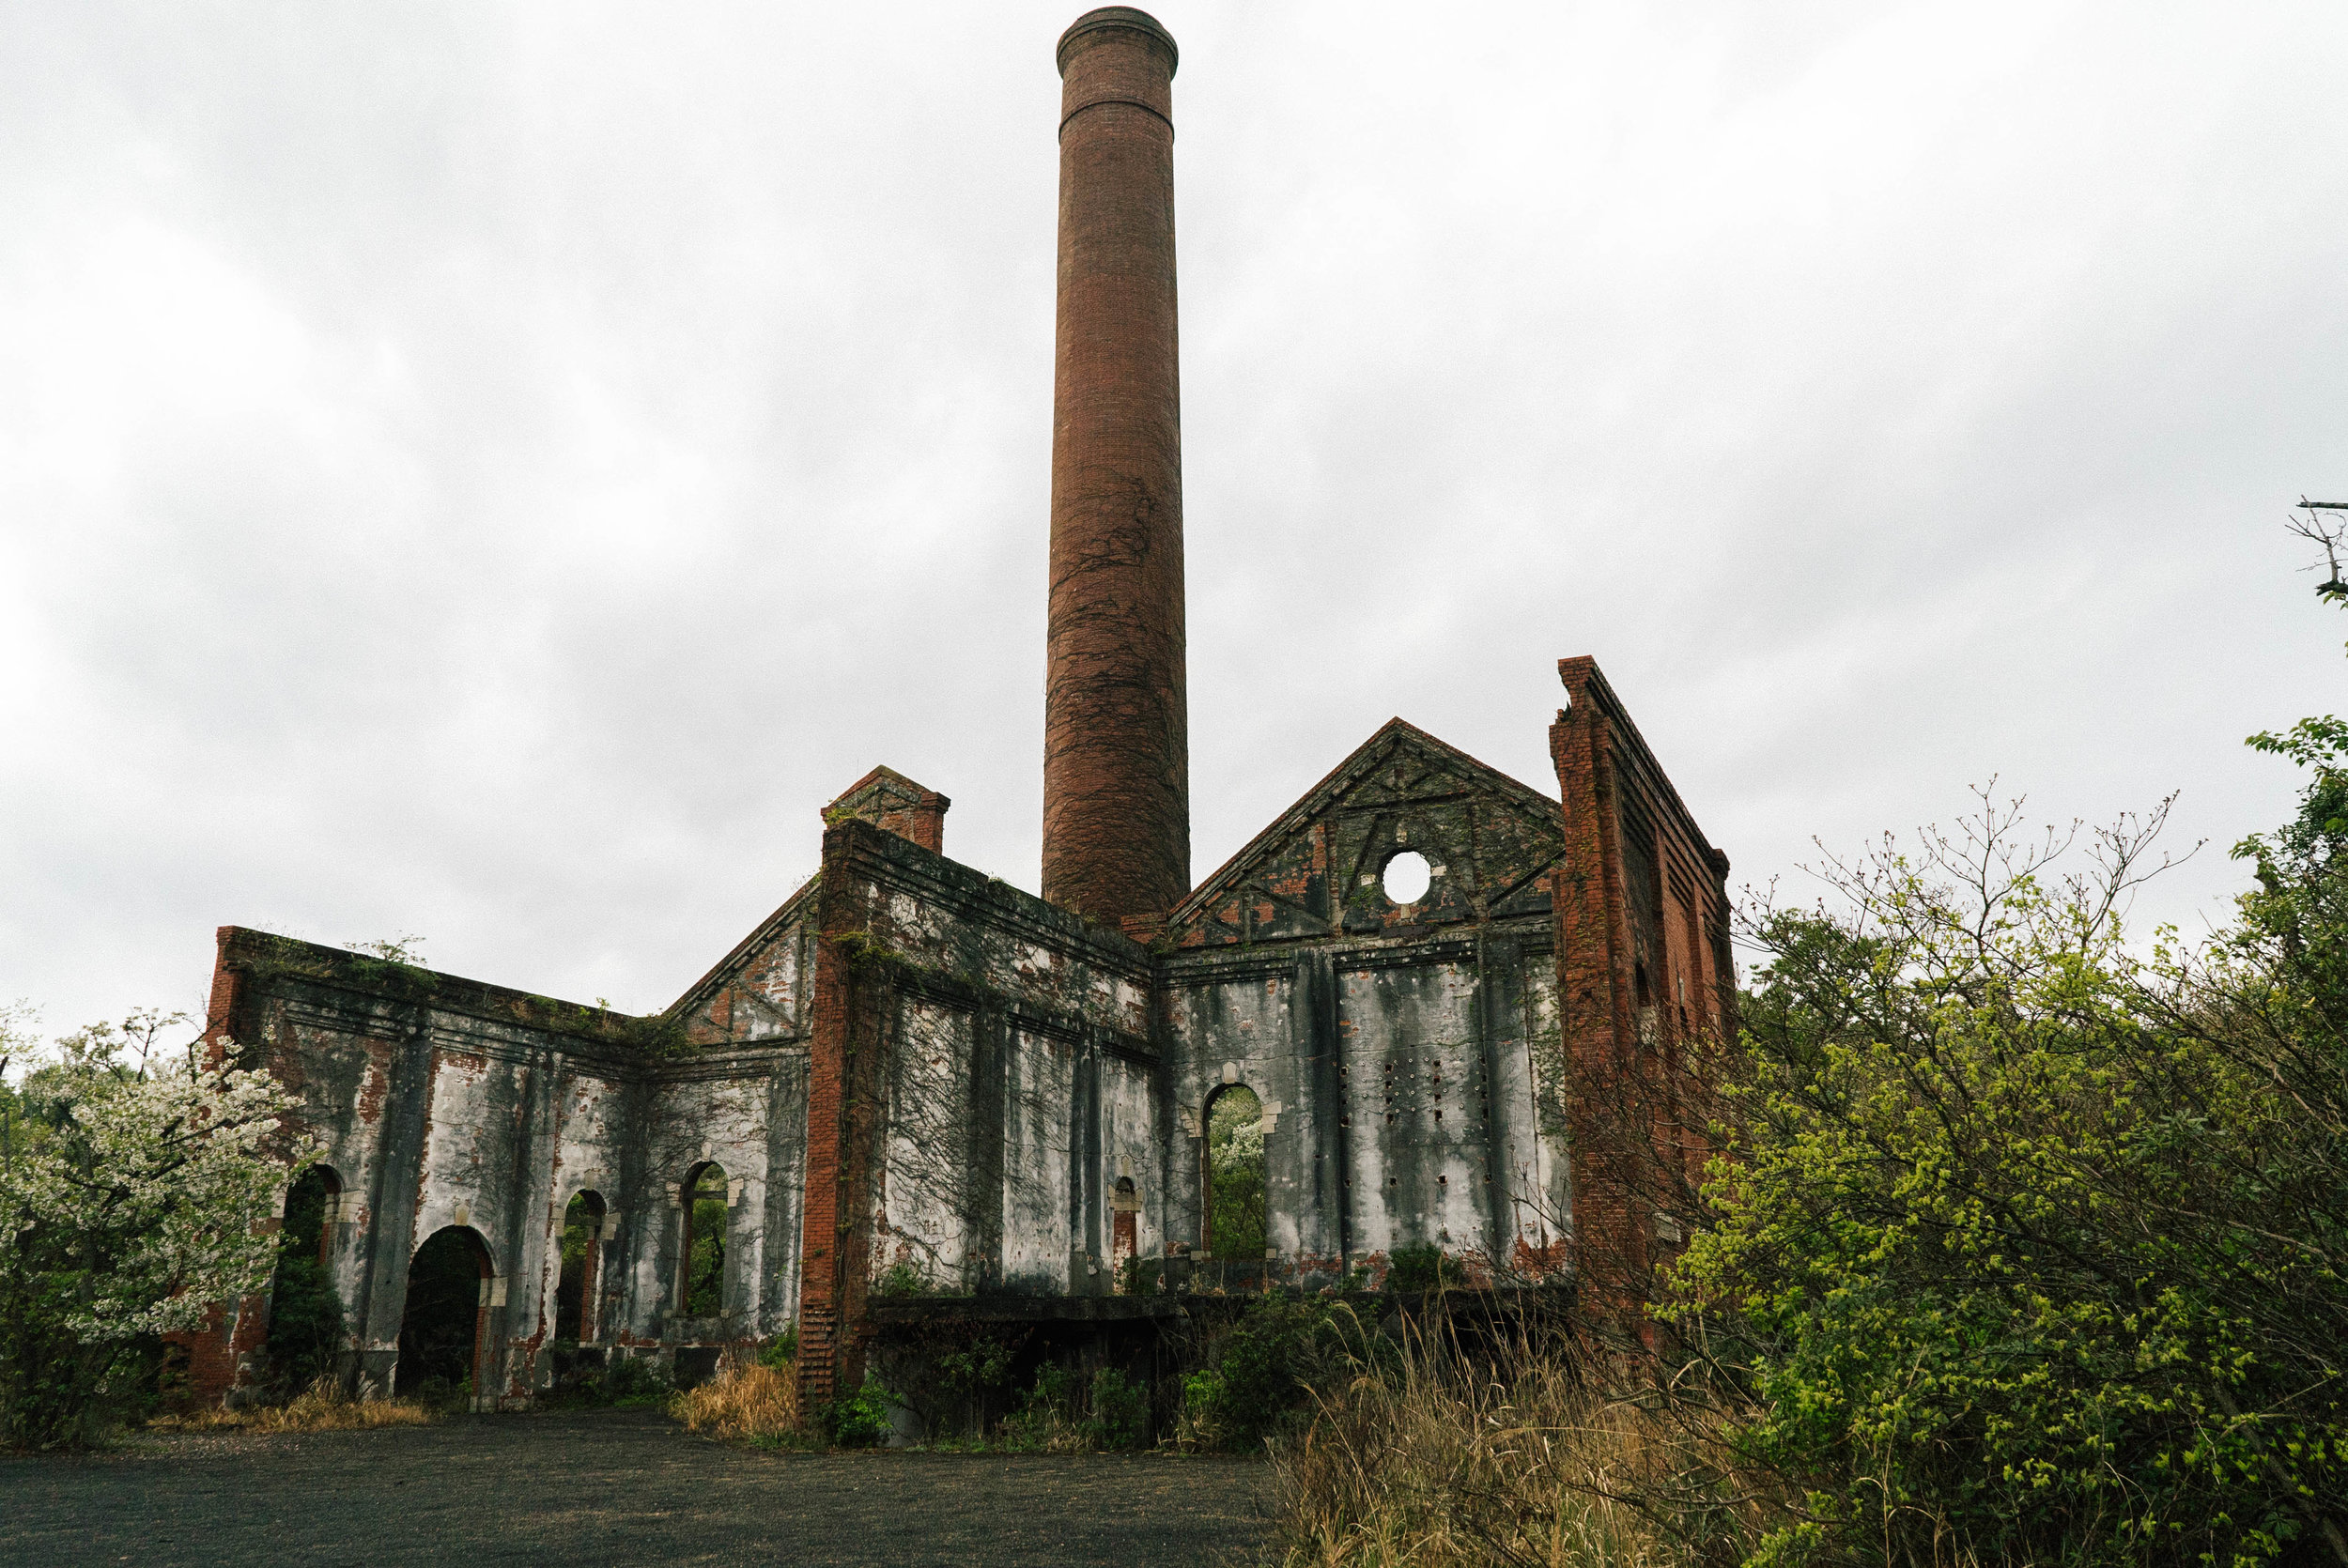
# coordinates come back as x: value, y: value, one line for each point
x: 493, y: 472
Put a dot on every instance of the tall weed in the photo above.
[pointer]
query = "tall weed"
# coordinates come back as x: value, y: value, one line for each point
x: 1440, y: 1458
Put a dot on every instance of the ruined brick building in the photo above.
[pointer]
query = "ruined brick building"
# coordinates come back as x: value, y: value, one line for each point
x: 913, y: 1071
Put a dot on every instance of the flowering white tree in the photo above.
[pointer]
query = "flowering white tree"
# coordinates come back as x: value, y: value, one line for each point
x: 133, y: 1184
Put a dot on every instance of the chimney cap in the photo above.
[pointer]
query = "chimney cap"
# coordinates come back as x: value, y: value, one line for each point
x: 1131, y: 18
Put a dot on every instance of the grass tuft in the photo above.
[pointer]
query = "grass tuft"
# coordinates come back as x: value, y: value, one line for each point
x: 744, y: 1402
x: 323, y: 1407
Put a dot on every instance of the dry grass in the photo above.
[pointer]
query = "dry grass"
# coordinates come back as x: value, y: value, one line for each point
x: 1438, y: 1463
x: 323, y: 1407
x: 744, y: 1402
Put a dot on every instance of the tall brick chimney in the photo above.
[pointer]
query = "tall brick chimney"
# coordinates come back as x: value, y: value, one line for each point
x: 1116, y: 714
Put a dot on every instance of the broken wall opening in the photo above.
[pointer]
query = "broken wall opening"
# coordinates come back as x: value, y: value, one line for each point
x: 701, y: 1291
x: 440, y: 1326
x: 578, y: 1288
x: 1234, y: 1178
x: 305, y: 1314
x: 1124, y: 1236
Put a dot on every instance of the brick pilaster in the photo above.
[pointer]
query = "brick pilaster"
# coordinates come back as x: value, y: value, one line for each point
x: 835, y: 1242
x: 1612, y: 1219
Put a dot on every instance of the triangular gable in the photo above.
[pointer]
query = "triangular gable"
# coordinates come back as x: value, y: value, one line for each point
x: 1315, y: 871
x: 760, y: 991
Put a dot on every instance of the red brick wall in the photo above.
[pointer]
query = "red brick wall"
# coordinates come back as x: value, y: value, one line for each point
x: 842, y: 1064
x: 1640, y: 1094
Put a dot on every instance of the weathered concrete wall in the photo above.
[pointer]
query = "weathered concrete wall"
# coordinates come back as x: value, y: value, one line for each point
x: 762, y: 990
x: 1406, y: 1055
x: 440, y: 1101
x: 983, y: 1076
x: 745, y: 1111
x: 1412, y: 1096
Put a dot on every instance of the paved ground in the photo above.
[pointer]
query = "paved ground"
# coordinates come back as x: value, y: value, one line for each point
x: 591, y: 1488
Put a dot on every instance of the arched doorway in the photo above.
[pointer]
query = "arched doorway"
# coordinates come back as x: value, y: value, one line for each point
x: 306, y: 1315
x: 701, y: 1275
x: 579, y: 1289
x: 440, y: 1329
x: 1235, y: 1175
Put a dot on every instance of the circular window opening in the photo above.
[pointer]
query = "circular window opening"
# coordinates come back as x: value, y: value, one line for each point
x: 1407, y: 877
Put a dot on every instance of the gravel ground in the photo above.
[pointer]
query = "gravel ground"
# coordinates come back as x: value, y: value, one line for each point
x: 611, y: 1487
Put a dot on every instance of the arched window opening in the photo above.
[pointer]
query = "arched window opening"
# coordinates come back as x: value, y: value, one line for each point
x: 310, y: 1209
x: 447, y: 1308
x: 306, y: 1315
x: 702, y: 1289
x: 1235, y: 1175
x: 1125, y: 1233
x: 577, y: 1291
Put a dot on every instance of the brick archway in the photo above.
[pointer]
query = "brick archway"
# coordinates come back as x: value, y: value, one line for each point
x: 444, y: 1328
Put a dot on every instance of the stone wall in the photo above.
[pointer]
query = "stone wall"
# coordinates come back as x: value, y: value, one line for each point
x: 1406, y: 1054
x: 440, y: 1101
x: 984, y: 1072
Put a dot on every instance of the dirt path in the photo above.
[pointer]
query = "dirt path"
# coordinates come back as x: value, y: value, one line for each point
x: 588, y: 1489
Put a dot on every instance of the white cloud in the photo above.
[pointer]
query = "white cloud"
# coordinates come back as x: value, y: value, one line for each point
x: 494, y: 472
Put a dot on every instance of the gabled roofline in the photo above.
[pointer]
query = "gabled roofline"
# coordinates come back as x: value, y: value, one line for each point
x: 875, y: 776
x: 1311, y: 800
x: 759, y: 934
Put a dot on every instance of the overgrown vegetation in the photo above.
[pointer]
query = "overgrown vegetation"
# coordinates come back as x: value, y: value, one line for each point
x: 1419, y: 1269
x: 1443, y: 1456
x: 705, y: 1266
x: 2026, y: 1242
x: 1257, y: 1378
x: 900, y: 1282
x: 133, y: 1179
x: 1066, y: 1413
x: 861, y: 1419
x: 1235, y: 1159
x: 620, y: 1383
x: 306, y: 1315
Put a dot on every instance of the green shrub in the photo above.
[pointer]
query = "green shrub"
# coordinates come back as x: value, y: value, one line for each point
x: 899, y: 1279
x: 863, y: 1419
x: 636, y: 1383
x: 1198, y: 1424
x: 305, y: 1325
x: 1261, y: 1374
x: 2033, y: 1237
x: 782, y: 1350
x: 1046, y: 1416
x: 972, y: 1370
x: 1061, y: 1413
x: 1419, y: 1269
x: 1120, y: 1411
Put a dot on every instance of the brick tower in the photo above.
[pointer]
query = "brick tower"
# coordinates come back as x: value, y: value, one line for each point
x: 1116, y: 715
